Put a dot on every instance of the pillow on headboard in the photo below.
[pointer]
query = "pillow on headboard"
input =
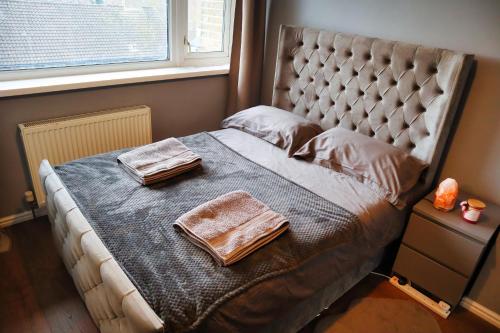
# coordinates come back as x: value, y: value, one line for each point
x: 388, y: 170
x: 279, y: 127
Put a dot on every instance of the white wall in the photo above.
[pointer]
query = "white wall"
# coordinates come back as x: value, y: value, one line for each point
x: 463, y: 25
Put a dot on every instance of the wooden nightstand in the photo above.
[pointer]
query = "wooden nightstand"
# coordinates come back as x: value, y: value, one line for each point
x: 440, y: 252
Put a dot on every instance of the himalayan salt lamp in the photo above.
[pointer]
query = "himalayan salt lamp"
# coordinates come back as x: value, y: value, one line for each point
x: 446, y: 195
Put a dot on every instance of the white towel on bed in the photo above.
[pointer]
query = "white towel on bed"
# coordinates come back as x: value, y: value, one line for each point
x: 231, y: 226
x: 158, y: 161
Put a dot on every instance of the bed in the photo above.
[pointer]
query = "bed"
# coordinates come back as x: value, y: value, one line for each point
x: 333, y: 79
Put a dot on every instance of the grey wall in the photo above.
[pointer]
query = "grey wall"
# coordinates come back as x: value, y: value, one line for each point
x: 179, y: 107
x: 463, y: 25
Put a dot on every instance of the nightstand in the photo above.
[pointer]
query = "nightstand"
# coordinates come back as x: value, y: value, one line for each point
x: 440, y: 252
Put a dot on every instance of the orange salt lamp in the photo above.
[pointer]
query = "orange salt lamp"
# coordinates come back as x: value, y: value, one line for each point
x: 446, y: 195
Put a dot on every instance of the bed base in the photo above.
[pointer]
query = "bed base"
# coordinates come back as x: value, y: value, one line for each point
x: 113, y: 302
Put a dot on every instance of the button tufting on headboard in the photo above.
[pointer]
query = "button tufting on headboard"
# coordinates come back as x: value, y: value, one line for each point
x: 403, y: 94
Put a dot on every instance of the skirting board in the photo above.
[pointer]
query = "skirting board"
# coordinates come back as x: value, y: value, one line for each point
x: 21, y: 217
x: 481, y: 311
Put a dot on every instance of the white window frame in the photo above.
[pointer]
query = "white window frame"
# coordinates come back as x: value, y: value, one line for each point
x: 207, y: 58
x: 179, y: 57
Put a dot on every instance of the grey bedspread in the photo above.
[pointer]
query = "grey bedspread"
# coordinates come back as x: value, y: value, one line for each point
x: 181, y: 282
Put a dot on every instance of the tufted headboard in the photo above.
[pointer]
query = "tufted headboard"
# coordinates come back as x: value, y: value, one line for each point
x: 400, y: 93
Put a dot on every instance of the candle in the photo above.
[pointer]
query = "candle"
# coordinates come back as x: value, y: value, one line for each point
x: 471, y: 210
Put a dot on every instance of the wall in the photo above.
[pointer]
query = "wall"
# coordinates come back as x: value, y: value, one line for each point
x: 179, y: 107
x: 465, y: 25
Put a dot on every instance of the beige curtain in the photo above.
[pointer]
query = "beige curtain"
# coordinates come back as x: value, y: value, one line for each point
x: 247, y: 53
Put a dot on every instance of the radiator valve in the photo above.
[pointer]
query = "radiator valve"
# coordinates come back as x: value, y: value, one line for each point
x: 30, y: 199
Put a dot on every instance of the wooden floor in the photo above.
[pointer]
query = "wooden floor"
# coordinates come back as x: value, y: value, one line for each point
x: 37, y: 294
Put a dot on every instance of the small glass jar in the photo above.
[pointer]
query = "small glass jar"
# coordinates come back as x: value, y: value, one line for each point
x: 471, y: 210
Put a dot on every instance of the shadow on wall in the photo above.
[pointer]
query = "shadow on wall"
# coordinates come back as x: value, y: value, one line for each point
x: 474, y: 155
x: 485, y: 287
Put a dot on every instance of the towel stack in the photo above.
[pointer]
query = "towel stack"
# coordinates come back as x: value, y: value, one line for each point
x: 158, y: 161
x: 231, y: 226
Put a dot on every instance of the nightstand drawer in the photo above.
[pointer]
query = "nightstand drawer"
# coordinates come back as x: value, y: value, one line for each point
x: 430, y: 275
x: 443, y: 245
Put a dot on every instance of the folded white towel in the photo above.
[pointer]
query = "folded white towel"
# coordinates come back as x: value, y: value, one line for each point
x: 158, y: 161
x: 231, y: 226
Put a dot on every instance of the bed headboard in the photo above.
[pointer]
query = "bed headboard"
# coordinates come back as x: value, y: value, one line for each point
x: 400, y: 93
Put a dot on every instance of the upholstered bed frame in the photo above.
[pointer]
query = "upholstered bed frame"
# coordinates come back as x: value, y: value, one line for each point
x: 114, y: 303
x: 402, y: 94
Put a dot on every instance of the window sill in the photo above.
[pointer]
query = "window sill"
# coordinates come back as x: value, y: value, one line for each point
x: 62, y: 83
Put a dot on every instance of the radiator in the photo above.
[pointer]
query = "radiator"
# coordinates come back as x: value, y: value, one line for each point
x: 60, y: 140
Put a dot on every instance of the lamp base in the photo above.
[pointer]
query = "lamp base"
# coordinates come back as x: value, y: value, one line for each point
x: 4, y: 242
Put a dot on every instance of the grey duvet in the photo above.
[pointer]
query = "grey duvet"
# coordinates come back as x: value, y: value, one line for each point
x: 183, y: 284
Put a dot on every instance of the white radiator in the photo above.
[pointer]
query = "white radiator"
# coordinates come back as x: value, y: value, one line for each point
x: 65, y: 139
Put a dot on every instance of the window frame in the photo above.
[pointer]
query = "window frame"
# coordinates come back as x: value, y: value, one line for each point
x: 178, y: 55
x: 228, y: 32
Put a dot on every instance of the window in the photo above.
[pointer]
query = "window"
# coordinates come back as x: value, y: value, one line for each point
x: 45, y: 37
x: 205, y: 26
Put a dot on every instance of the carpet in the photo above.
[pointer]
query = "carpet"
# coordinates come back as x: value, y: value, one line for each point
x: 380, y: 315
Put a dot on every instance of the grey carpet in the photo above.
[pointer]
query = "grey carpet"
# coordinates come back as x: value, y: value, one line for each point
x: 380, y: 315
